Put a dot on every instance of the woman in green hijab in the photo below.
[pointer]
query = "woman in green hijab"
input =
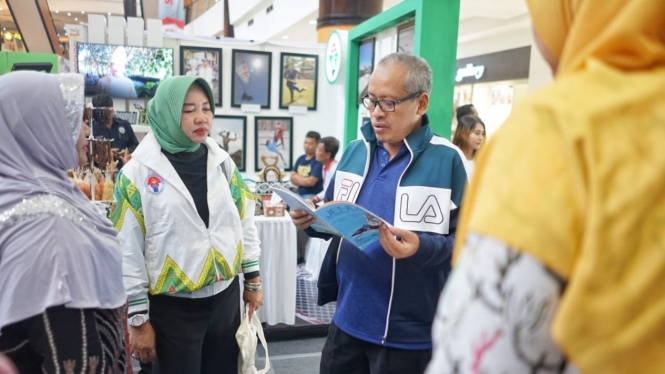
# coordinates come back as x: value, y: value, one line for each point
x: 186, y: 223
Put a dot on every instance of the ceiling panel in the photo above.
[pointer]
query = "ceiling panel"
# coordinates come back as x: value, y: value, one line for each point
x: 502, y: 10
x: 6, y: 20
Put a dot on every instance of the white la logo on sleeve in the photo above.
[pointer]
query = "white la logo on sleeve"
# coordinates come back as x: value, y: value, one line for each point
x: 423, y: 209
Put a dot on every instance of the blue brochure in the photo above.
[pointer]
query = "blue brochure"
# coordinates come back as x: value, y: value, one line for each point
x: 353, y: 222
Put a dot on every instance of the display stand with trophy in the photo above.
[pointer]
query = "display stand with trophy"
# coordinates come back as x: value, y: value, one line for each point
x: 268, y: 177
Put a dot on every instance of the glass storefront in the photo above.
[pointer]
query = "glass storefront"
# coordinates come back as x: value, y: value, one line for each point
x: 493, y: 100
x: 493, y: 83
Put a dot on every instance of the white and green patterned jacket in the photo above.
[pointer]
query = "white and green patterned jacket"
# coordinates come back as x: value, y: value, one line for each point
x: 167, y: 249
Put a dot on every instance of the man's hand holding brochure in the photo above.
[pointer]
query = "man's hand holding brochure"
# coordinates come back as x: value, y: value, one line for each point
x: 353, y: 222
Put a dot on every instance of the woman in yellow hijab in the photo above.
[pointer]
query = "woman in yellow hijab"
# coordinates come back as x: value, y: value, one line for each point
x: 560, y: 260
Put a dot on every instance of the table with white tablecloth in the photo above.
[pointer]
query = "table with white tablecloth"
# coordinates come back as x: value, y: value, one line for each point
x: 316, y: 252
x: 278, y: 269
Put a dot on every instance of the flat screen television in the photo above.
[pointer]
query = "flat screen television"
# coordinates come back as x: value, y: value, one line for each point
x: 124, y: 72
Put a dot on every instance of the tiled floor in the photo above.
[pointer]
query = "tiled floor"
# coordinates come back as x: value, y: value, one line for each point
x: 306, y: 295
x: 296, y: 356
x: 287, y: 357
x: 293, y: 356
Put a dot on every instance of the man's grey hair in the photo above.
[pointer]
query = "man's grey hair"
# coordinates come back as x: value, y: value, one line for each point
x: 419, y: 74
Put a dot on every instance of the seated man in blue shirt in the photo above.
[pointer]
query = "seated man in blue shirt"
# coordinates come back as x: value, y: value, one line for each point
x: 387, y: 294
x: 124, y: 142
x: 307, y: 174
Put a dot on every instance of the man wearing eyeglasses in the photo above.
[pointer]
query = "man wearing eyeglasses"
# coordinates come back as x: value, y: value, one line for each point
x: 387, y: 294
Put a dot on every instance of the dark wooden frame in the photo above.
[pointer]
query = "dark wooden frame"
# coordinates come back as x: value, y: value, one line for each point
x: 233, y: 75
x: 256, y: 141
x: 205, y: 49
x: 281, y: 77
x: 244, y: 138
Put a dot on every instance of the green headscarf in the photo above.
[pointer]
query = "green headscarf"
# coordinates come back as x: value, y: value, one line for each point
x: 165, y: 113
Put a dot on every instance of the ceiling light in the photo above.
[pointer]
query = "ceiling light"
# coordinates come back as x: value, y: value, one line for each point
x: 4, y: 29
x: 83, y: 12
x: 0, y: 9
x: 69, y: 14
x: 65, y: 34
x: 76, y: 19
x: 57, y: 12
x: 109, y: 13
x: 58, y: 35
x: 285, y: 37
x: 312, y: 22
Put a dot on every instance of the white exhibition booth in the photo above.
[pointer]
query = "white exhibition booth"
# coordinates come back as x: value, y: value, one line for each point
x: 278, y: 235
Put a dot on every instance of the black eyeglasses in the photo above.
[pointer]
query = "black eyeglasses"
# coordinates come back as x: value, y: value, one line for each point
x: 386, y: 105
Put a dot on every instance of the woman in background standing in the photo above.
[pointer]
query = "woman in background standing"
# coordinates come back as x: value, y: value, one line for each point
x: 469, y: 137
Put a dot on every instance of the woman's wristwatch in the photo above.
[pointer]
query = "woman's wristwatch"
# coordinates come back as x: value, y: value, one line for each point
x: 138, y: 320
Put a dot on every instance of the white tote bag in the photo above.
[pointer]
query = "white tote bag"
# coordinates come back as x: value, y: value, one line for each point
x: 247, y: 341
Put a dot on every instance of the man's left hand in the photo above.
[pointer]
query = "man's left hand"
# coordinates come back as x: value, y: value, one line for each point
x: 407, y: 246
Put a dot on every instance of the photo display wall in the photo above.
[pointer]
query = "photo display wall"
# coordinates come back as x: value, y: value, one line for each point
x: 205, y: 63
x: 365, y: 67
x: 273, y: 142
x: 299, y: 80
x: 230, y: 132
x: 406, y: 34
x: 251, y: 75
x: 251, y: 78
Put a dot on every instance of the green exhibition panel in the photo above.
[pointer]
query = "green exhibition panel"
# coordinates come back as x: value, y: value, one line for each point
x: 14, y: 61
x: 435, y: 40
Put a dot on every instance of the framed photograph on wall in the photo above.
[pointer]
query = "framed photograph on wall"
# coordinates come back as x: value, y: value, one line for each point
x: 205, y: 63
x: 273, y: 142
x: 299, y: 80
x: 250, y: 82
x: 230, y: 132
x: 406, y: 34
x: 365, y: 66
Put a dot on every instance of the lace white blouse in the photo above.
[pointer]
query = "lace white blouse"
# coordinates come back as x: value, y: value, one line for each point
x: 495, y: 313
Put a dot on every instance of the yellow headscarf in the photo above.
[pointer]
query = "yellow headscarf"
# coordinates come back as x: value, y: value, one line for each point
x: 576, y: 178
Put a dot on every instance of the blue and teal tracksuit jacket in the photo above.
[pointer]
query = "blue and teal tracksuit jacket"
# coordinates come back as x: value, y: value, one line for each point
x: 398, y: 297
